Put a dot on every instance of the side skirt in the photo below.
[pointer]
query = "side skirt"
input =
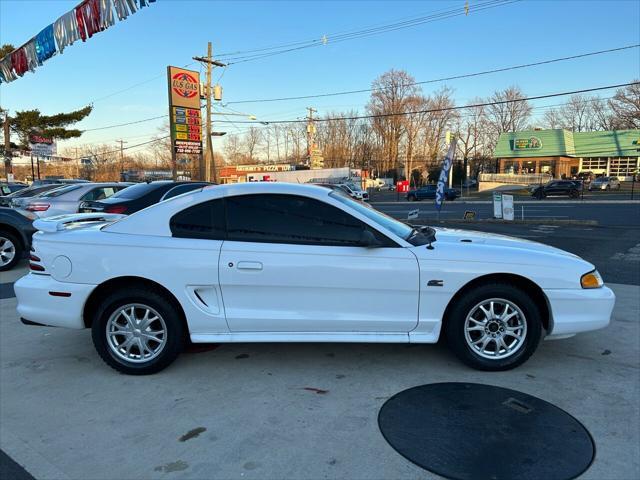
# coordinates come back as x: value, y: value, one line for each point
x: 293, y: 337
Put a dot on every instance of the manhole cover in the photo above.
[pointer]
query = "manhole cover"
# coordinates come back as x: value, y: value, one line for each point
x: 469, y: 431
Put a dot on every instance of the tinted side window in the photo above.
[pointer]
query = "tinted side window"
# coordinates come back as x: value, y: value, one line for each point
x: 204, y: 220
x: 293, y: 219
x: 180, y: 189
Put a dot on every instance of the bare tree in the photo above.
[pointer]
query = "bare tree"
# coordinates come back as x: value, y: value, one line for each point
x: 625, y: 105
x: 389, y: 101
x: 441, y: 117
x: 471, y: 130
x: 252, y: 139
x: 553, y: 119
x: 508, y: 112
x: 233, y: 149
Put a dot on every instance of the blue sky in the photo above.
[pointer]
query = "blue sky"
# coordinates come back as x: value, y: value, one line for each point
x: 171, y: 32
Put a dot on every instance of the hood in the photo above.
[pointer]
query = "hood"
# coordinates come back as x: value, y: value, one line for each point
x: 452, y: 235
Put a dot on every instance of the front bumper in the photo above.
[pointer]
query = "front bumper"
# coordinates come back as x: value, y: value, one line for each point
x: 37, y: 304
x: 580, y: 310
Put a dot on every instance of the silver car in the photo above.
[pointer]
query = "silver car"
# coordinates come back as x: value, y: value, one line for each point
x: 67, y: 199
x: 605, y: 183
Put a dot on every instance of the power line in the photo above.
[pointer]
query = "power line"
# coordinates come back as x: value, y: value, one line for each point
x: 125, y: 148
x: 443, y: 79
x: 124, y: 124
x: 304, y: 42
x: 457, y: 107
x: 369, y: 31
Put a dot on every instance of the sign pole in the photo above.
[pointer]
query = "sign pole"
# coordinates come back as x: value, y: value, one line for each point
x: 33, y: 172
x: 38, y: 163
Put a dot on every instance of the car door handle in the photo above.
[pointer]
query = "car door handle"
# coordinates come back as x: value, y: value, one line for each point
x: 249, y: 265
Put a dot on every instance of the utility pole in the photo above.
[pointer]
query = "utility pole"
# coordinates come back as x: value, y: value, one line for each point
x: 311, y: 130
x: 7, y: 147
x: 210, y: 166
x: 121, y: 142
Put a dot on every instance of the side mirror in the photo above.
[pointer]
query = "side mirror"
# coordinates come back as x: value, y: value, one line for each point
x: 368, y: 240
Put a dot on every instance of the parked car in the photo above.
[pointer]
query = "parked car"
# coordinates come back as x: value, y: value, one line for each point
x: 429, y: 192
x: 139, y: 196
x: 556, y: 188
x: 9, y: 188
x: 67, y: 199
x: 289, y: 261
x: 5, y: 200
x: 605, y: 183
x: 16, y: 230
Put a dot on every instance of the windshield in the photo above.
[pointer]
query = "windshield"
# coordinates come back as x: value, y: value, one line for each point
x: 59, y: 191
x: 400, y: 229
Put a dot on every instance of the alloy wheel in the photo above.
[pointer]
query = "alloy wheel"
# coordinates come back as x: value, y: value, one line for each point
x: 495, y: 328
x: 136, y: 333
x: 7, y: 251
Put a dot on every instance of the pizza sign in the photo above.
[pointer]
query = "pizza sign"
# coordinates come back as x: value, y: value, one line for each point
x: 532, y: 143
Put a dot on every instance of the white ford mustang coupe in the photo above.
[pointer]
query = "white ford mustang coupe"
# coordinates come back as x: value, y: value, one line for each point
x: 269, y: 262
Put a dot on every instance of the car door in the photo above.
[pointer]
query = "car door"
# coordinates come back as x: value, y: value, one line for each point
x: 551, y: 188
x: 293, y: 264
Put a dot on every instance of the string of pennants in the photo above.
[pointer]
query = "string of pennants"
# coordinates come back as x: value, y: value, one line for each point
x: 84, y: 21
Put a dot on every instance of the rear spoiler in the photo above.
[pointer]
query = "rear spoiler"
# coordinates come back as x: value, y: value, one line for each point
x: 59, y: 222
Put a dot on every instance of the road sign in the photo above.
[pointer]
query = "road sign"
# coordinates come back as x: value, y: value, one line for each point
x: 507, y: 207
x: 413, y: 214
x: 497, y: 205
x: 469, y: 215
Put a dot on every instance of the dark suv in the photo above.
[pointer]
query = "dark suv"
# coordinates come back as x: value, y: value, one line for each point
x: 563, y: 188
x: 139, y: 196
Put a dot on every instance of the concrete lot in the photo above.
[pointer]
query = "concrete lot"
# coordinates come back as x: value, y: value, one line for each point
x: 251, y: 411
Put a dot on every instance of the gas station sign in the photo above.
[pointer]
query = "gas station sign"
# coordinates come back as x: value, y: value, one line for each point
x: 184, y: 110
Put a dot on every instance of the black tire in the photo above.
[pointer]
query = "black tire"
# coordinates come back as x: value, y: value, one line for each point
x: 574, y: 194
x: 607, y: 188
x: 11, y: 243
x: 168, y: 312
x: 411, y: 198
x: 454, y: 328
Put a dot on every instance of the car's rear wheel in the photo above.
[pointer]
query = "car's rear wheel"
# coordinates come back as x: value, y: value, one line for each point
x: 494, y: 327
x: 138, y: 331
x: 411, y: 198
x: 574, y: 194
x: 10, y: 251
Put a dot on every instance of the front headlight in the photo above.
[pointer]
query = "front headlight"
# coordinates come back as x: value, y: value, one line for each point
x: 591, y: 280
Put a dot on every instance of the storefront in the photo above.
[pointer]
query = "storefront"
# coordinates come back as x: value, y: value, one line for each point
x: 563, y: 153
x: 252, y: 173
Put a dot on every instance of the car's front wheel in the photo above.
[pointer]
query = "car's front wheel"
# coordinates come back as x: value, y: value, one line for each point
x: 494, y: 327
x: 411, y: 198
x: 138, y: 331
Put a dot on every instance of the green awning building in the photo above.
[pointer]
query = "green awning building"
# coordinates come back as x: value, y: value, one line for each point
x: 561, y: 152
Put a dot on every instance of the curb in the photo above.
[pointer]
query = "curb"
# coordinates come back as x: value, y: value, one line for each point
x: 550, y: 221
